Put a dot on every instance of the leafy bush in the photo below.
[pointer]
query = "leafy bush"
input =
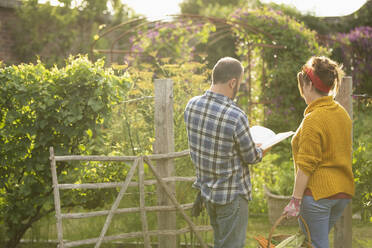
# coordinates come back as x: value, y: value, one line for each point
x: 39, y: 108
x: 362, y: 161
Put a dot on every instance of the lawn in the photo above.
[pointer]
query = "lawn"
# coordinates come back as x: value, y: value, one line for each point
x: 88, y: 228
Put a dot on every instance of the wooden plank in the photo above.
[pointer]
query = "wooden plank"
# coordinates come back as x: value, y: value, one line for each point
x: 343, y: 227
x: 124, y: 210
x: 57, y: 203
x: 95, y: 158
x: 164, y: 143
x: 146, y: 239
x: 169, y: 155
x: 165, y: 155
x: 137, y: 235
x: 117, y: 202
x: 173, y: 199
x: 120, y: 184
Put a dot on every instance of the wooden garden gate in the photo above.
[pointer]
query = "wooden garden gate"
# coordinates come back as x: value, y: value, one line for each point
x: 163, y: 172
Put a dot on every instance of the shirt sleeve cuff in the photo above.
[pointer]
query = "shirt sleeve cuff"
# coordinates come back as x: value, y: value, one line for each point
x: 260, y: 154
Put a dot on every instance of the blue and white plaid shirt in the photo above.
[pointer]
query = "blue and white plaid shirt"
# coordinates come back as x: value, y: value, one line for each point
x: 221, y: 147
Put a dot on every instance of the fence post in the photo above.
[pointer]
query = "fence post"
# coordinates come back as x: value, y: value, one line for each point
x: 57, y: 198
x: 164, y: 143
x: 343, y: 227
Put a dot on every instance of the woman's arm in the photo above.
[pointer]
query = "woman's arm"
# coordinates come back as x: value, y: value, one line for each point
x: 293, y: 207
x: 300, y: 184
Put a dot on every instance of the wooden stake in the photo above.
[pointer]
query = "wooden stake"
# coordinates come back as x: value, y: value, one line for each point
x: 164, y: 143
x: 343, y: 227
x: 57, y: 202
x: 146, y: 239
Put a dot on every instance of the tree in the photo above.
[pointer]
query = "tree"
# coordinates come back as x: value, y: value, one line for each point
x: 52, y: 33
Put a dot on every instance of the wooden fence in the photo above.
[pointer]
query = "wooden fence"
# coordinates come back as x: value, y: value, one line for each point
x: 137, y: 166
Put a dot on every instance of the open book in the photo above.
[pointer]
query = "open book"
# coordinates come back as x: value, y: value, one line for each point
x: 267, y: 137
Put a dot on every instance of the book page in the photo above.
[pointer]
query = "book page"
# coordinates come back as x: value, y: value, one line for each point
x: 267, y: 137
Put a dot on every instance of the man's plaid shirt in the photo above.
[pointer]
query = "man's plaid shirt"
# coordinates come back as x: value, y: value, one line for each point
x: 221, y: 147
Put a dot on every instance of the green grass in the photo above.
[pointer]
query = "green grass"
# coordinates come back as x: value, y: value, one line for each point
x: 90, y: 228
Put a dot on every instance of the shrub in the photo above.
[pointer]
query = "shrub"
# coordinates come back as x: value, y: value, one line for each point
x: 39, y: 108
x: 362, y: 161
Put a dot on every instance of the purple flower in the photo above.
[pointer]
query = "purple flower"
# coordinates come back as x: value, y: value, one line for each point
x: 152, y: 34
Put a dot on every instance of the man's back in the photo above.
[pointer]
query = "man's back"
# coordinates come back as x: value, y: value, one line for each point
x: 220, y: 147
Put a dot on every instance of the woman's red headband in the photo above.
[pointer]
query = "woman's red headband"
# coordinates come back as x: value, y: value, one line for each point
x: 318, y: 83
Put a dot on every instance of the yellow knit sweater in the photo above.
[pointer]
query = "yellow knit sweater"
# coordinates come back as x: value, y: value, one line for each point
x: 322, y: 148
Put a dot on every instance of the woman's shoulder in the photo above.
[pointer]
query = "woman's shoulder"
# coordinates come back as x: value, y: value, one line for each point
x: 313, y: 122
x: 313, y: 117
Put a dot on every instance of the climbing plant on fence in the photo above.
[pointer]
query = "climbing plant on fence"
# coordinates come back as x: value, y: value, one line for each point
x: 39, y: 107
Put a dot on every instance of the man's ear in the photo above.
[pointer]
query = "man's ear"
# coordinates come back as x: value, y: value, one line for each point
x: 232, y: 83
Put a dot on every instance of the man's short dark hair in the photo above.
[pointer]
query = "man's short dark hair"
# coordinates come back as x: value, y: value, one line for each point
x: 225, y: 69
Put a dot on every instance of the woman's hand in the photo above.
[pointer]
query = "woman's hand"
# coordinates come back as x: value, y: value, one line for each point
x: 293, y: 207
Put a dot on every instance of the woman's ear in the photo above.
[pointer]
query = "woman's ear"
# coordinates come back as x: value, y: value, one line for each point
x: 312, y: 87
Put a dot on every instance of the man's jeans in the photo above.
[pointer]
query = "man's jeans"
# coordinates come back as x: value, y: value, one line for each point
x: 229, y: 223
x: 321, y: 216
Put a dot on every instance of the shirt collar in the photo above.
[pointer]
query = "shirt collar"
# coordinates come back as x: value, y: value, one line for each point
x: 320, y: 102
x: 224, y: 98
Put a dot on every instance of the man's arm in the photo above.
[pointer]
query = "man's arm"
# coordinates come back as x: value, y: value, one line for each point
x: 249, y: 152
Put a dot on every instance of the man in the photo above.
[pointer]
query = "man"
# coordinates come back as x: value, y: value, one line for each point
x: 221, y: 148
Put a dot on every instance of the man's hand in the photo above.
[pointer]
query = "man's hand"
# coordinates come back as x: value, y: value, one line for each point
x: 293, y: 207
x: 263, y: 151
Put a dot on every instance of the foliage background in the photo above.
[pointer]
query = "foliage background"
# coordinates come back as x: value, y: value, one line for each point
x: 52, y: 33
x: 39, y: 106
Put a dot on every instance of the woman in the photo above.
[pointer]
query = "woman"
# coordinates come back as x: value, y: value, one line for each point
x: 321, y: 150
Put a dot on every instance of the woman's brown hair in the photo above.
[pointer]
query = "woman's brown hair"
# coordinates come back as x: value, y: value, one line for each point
x: 328, y: 71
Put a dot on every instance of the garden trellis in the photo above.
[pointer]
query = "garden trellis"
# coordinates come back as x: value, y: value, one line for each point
x: 123, y: 38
